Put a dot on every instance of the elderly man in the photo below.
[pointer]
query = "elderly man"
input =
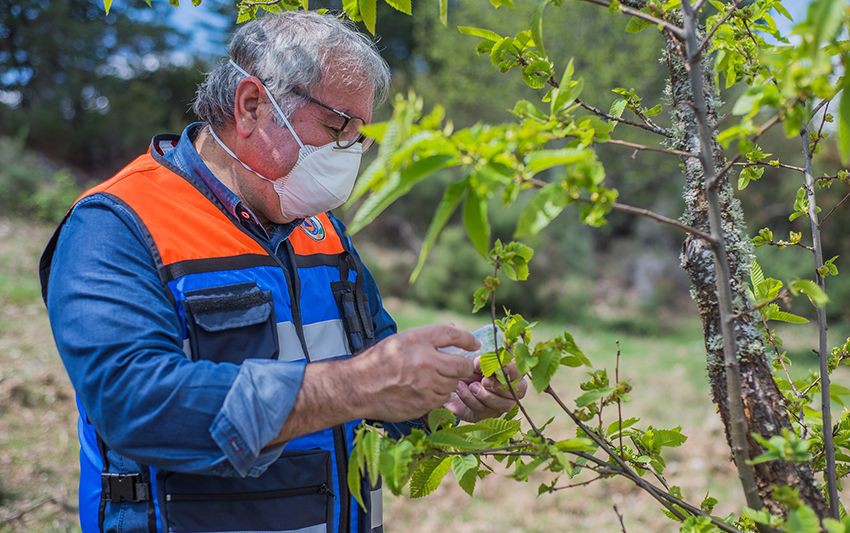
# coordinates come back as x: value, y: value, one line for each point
x: 207, y: 305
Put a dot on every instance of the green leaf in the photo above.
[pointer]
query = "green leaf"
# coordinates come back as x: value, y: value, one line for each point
x: 545, y: 368
x: 810, y: 289
x: 448, y: 204
x: 354, y: 479
x: 465, y: 470
x: 578, y: 444
x: 428, y: 475
x: 772, y: 312
x: 592, y: 396
x: 544, y: 159
x: 536, y: 74
x: 395, y: 465
x: 371, y: 451
x: 441, y: 417
x: 455, y: 438
x: 756, y: 273
x: 826, y: 20
x: 537, y: 26
x: 636, y: 25
x: 444, y: 12
x: 494, y: 430
x: 844, y: 117
x: 369, y: 13
x: 106, y: 5
x: 490, y: 35
x: 401, y: 5
x: 614, y: 427
x: 489, y: 364
x: 476, y: 222
x: 541, y: 210
x: 398, y: 185
x: 802, y: 520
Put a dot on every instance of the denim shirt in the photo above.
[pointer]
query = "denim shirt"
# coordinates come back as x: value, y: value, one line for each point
x: 120, y: 340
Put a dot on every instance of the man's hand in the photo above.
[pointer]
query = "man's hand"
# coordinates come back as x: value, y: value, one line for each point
x: 481, y: 397
x: 405, y: 376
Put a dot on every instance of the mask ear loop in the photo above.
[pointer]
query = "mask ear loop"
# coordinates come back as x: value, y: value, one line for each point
x: 231, y: 154
x: 274, y: 104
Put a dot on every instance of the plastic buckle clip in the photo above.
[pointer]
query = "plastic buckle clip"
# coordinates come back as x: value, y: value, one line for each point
x: 124, y: 488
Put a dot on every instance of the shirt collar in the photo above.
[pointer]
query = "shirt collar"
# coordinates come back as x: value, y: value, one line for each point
x: 182, y: 154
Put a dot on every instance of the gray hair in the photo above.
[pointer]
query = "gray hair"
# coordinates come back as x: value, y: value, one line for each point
x: 292, y: 49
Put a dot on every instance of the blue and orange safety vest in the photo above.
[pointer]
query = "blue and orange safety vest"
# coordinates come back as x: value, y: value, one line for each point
x: 236, y: 300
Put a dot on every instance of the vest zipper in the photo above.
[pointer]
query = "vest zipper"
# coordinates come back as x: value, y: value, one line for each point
x: 240, y: 496
x: 340, y: 449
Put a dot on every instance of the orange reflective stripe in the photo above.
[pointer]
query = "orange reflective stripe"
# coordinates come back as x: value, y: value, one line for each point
x: 312, y: 238
x: 184, y: 224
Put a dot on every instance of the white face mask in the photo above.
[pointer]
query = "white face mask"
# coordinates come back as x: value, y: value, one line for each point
x: 322, y: 178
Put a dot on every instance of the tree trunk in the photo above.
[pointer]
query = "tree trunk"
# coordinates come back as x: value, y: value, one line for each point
x: 764, y: 405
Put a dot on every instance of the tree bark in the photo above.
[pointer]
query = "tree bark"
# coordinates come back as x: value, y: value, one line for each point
x: 764, y: 406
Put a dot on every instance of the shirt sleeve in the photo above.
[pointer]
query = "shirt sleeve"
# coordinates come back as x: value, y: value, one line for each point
x: 120, y: 340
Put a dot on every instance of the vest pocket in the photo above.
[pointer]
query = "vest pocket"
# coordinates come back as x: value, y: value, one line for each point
x: 231, y: 323
x: 292, y: 495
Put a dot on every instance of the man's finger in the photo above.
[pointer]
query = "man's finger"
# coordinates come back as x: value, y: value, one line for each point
x: 470, y: 400
x: 491, y: 400
x: 453, y: 366
x: 444, y: 335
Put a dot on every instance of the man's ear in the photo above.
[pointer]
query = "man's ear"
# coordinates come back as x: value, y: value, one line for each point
x: 246, y: 106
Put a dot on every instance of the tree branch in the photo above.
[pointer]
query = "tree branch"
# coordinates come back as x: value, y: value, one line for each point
x: 734, y: 391
x: 831, y: 211
x: 647, y: 125
x: 823, y: 347
x: 643, y: 147
x: 725, y: 170
x: 675, y: 30
x: 733, y: 8
x: 640, y: 211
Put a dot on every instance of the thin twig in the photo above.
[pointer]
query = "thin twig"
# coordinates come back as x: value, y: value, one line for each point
x: 779, y: 165
x: 643, y: 147
x: 761, y: 131
x: 823, y: 347
x: 579, y: 484
x: 732, y: 9
x: 647, y: 125
x: 619, y: 404
x: 26, y: 510
x: 639, y: 211
x: 831, y: 211
x: 620, y: 518
x: 820, y: 128
x: 675, y: 30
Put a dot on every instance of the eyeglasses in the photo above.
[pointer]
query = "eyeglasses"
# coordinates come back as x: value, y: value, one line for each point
x: 349, y: 133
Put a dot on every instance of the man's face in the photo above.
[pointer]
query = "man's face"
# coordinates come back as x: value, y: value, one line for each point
x: 271, y: 149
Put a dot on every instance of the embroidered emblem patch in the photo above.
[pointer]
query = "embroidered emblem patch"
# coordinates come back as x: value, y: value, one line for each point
x: 313, y: 228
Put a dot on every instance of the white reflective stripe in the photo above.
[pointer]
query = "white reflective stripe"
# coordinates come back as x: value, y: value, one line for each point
x: 377, y: 511
x: 318, y: 528
x: 324, y: 340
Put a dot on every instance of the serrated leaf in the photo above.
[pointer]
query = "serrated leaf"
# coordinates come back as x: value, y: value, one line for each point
x: 395, y: 465
x: 428, y: 475
x: 802, y: 520
x: 106, y: 5
x: 494, y: 429
x: 451, y: 438
x: 544, y: 159
x: 545, y: 368
x: 543, y: 208
x: 489, y: 364
x: 490, y: 35
x: 636, y: 25
x: 441, y: 417
x: 447, y: 206
x: 354, y: 479
x: 810, y: 289
x: 369, y: 13
x: 476, y: 222
x: 756, y: 274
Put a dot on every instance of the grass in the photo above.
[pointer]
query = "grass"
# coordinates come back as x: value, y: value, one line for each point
x: 38, y: 447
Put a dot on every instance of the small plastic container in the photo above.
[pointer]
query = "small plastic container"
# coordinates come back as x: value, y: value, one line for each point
x: 484, y: 334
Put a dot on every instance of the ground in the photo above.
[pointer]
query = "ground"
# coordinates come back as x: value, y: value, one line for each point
x: 38, y: 447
